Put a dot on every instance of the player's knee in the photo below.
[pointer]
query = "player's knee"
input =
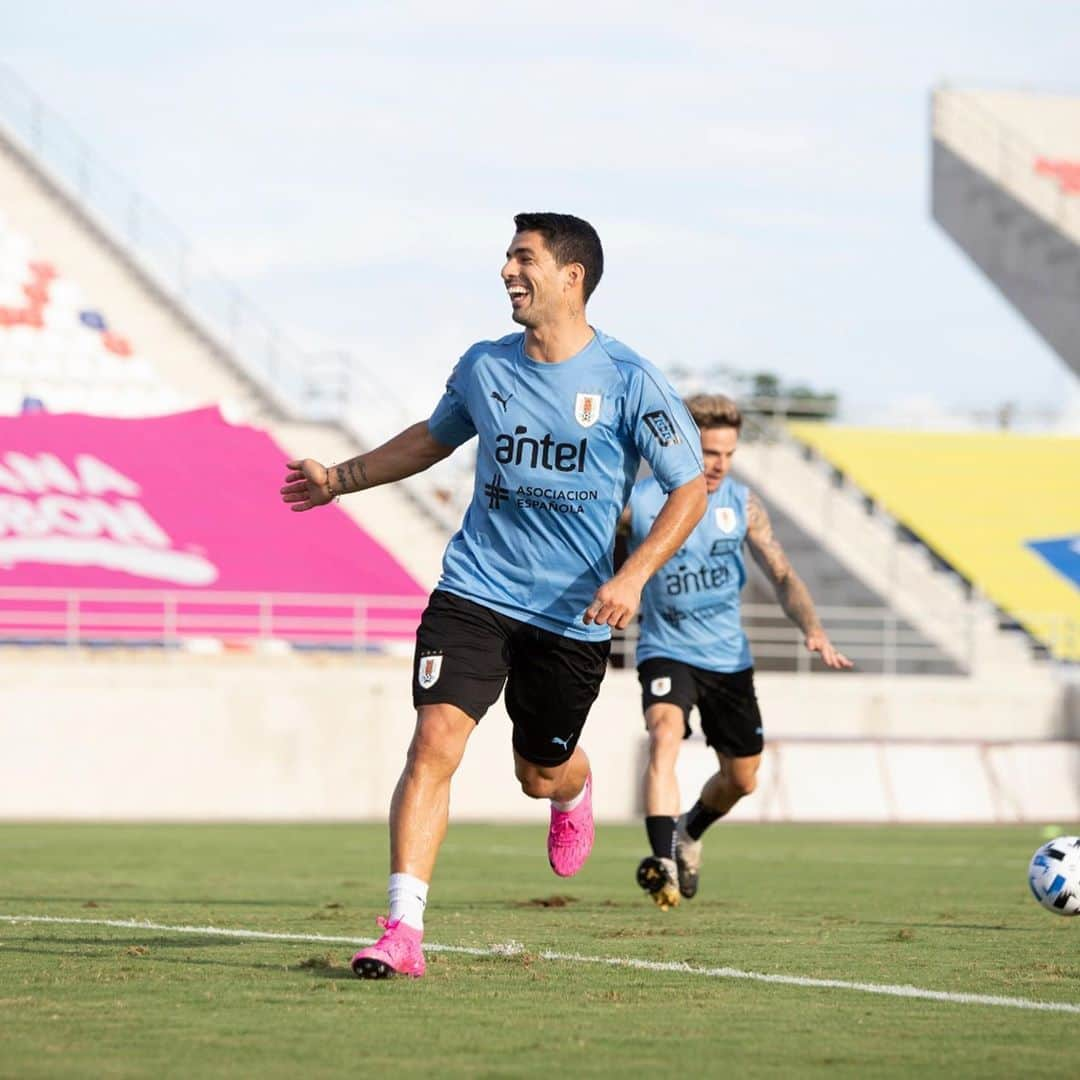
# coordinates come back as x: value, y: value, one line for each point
x: 535, y: 785
x: 665, y: 738
x: 435, y: 745
x: 743, y: 783
x: 665, y: 735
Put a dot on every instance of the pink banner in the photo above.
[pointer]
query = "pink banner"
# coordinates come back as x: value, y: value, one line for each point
x: 184, y: 509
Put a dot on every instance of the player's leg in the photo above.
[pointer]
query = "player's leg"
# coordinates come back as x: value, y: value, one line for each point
x: 563, y: 784
x: 731, y: 722
x: 459, y: 668
x: 734, y: 780
x: 666, y: 726
x: 552, y: 684
x: 421, y: 804
x: 667, y: 695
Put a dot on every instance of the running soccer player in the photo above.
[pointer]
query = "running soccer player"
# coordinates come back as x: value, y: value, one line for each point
x: 693, y: 651
x: 563, y: 415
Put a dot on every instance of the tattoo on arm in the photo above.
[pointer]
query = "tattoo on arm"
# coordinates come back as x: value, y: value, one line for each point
x: 791, y: 592
x: 351, y: 476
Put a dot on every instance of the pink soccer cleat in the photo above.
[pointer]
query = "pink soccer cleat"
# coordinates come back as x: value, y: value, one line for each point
x: 397, y: 952
x: 570, y: 835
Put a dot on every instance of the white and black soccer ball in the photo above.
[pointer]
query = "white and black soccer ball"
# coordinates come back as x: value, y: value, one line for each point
x: 1054, y: 875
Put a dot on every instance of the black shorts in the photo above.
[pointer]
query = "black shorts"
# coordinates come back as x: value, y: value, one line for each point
x: 465, y: 652
x: 726, y: 702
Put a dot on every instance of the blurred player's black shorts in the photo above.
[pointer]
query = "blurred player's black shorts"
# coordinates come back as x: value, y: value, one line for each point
x: 726, y: 702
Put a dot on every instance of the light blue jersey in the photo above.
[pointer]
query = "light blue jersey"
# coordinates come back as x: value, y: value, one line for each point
x: 690, y: 607
x: 559, y: 447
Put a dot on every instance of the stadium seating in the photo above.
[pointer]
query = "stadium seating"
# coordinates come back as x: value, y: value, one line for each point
x: 59, y: 352
x: 1001, y: 509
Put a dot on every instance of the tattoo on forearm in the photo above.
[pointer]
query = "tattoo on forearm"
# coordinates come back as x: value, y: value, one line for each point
x: 351, y: 476
x: 795, y: 599
x: 791, y: 592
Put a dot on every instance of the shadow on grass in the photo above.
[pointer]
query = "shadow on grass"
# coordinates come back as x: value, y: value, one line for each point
x: 188, y: 941
x: 944, y: 924
x: 101, y: 901
x: 320, y: 967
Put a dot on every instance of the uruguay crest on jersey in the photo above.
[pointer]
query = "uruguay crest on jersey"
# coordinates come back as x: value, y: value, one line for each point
x: 726, y: 519
x: 587, y: 409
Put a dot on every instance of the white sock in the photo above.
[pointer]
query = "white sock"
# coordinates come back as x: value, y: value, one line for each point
x: 408, y: 898
x: 574, y: 803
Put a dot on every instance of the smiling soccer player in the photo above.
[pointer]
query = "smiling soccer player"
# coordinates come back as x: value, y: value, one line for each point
x: 563, y: 415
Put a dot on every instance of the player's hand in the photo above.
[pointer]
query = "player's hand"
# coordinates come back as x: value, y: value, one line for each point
x: 306, y: 485
x: 818, y: 642
x: 615, y: 604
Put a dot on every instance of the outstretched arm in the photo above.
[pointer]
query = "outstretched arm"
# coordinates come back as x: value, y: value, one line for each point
x: 309, y: 484
x: 617, y: 600
x: 791, y: 592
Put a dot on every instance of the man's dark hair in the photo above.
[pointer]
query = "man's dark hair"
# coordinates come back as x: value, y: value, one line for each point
x: 569, y: 239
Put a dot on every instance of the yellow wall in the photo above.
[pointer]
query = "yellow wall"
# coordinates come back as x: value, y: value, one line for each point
x: 976, y: 499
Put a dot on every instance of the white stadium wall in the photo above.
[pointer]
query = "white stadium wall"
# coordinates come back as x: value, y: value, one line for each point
x: 279, y: 738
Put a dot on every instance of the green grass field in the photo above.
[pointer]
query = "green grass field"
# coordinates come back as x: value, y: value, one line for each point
x: 943, y: 909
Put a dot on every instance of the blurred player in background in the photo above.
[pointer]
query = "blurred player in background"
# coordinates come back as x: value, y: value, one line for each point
x: 563, y: 415
x: 694, y: 651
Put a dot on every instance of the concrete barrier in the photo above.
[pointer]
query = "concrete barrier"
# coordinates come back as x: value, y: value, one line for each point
x: 150, y: 738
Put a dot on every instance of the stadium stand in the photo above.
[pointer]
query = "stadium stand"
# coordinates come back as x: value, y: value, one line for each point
x: 58, y: 352
x: 1003, y: 188
x: 177, y: 357
x: 1002, y: 510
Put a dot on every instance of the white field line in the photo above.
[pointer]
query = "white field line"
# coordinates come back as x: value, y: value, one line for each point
x: 515, y: 948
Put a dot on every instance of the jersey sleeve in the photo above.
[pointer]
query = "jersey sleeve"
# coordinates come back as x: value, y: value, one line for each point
x: 451, y: 423
x: 664, y: 432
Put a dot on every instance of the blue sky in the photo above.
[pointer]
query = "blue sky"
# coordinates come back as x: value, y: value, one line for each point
x: 758, y: 173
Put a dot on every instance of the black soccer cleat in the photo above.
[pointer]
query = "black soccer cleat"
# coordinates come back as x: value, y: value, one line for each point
x: 660, y: 879
x: 368, y: 967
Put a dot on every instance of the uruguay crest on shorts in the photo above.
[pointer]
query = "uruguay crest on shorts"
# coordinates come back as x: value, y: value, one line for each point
x: 587, y: 409
x: 427, y: 674
x: 661, y: 687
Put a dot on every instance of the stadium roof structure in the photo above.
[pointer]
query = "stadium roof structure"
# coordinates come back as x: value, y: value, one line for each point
x: 1006, y: 188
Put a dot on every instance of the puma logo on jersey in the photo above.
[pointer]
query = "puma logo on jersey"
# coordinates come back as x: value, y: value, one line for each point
x: 564, y: 743
x: 503, y: 401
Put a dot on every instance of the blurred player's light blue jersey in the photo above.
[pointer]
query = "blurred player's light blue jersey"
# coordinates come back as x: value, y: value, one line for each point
x: 559, y: 447
x: 690, y: 606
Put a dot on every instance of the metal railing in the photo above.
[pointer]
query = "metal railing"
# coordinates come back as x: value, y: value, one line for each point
x: 162, y: 617
x: 973, y: 131
x: 305, y: 385
x: 878, y: 640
